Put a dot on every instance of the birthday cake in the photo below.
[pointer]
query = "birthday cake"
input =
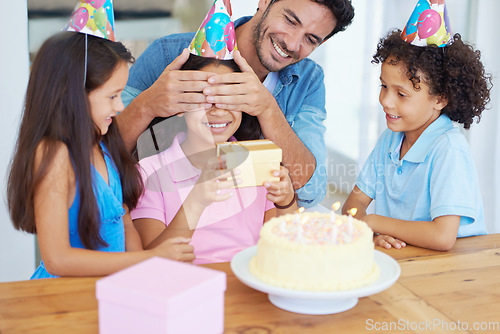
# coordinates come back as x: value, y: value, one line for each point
x: 315, y: 251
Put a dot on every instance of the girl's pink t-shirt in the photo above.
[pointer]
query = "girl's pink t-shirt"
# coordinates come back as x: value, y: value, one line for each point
x: 224, y: 228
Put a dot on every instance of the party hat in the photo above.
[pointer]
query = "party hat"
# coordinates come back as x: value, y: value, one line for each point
x: 215, y: 38
x: 428, y: 24
x: 93, y: 17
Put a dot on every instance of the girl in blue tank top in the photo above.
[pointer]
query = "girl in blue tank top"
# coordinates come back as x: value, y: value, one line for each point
x: 72, y: 181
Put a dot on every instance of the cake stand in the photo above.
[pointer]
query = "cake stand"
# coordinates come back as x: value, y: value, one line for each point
x: 315, y: 302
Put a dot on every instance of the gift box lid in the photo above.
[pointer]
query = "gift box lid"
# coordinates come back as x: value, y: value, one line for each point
x: 261, y: 150
x: 160, y: 286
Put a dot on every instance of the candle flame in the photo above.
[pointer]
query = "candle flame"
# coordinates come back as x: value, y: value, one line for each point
x: 353, y: 211
x: 300, y: 210
x: 336, y: 206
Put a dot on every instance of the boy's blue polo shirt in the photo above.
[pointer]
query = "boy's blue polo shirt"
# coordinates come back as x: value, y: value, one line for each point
x: 436, y: 177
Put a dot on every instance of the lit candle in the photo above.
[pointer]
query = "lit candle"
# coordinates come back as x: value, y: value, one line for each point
x: 352, y: 212
x: 333, y: 213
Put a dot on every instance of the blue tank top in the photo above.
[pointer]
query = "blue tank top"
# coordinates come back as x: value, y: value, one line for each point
x: 110, y: 203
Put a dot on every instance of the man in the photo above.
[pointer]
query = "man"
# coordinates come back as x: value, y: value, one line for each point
x: 273, y: 46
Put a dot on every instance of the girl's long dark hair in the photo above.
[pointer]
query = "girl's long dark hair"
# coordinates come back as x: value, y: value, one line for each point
x: 165, y: 132
x: 57, y: 112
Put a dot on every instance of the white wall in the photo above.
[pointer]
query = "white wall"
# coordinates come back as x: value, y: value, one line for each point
x: 17, y: 250
x: 485, y: 137
x: 243, y: 8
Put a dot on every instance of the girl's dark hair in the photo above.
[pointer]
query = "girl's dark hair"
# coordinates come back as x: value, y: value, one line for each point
x: 56, y: 112
x: 454, y: 72
x: 166, y: 131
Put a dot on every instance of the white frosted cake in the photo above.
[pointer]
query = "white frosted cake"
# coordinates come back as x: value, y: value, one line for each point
x: 315, y: 251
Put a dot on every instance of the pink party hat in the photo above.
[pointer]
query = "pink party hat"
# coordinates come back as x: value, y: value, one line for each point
x: 93, y: 17
x: 215, y: 38
x: 428, y: 24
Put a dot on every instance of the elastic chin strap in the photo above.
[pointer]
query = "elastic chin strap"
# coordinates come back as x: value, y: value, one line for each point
x: 85, y: 73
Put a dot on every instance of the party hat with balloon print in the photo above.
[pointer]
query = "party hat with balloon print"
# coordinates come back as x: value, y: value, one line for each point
x: 93, y: 17
x: 428, y: 24
x: 215, y: 38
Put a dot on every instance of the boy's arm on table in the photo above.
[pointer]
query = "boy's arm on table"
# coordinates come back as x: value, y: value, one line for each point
x: 359, y: 200
x: 439, y: 234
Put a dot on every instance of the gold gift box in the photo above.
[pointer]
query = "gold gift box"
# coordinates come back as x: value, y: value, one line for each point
x: 256, y: 159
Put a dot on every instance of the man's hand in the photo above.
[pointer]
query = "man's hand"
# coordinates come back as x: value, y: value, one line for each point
x: 245, y: 92
x: 176, y: 91
x: 240, y: 91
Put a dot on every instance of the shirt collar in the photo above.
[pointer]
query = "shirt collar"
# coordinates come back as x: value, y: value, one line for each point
x: 395, y: 147
x: 424, y: 143
x: 179, y: 167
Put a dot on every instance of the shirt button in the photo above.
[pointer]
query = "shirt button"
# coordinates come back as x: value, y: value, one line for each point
x: 400, y: 171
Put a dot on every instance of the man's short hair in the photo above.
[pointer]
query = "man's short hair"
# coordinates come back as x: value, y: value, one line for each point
x: 341, y: 9
x: 343, y: 12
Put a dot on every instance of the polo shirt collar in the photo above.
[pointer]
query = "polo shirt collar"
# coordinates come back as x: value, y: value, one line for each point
x: 395, y: 147
x: 424, y: 143
x: 178, y: 165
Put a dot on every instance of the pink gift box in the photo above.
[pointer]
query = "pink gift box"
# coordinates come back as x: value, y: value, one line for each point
x: 162, y: 296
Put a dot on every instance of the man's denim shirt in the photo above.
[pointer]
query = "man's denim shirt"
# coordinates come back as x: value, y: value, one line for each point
x: 300, y: 93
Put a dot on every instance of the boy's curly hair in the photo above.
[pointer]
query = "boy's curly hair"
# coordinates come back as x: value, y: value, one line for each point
x: 454, y: 72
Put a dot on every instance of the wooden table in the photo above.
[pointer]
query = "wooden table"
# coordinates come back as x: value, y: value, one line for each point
x: 458, y: 290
